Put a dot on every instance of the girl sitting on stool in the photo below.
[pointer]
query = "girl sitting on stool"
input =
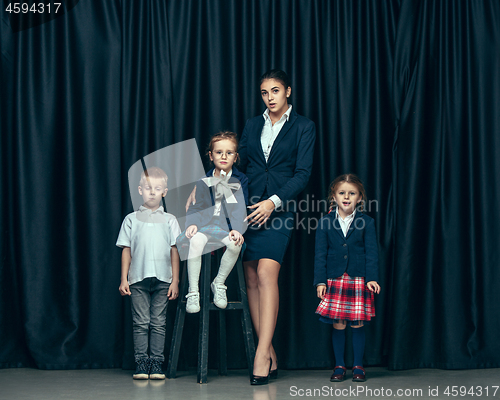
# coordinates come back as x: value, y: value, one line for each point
x: 218, y: 212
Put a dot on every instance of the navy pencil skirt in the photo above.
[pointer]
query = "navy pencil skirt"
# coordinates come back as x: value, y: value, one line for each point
x: 271, y: 239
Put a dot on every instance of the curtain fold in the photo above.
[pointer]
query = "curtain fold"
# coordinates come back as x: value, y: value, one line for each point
x: 58, y: 114
x: 446, y: 81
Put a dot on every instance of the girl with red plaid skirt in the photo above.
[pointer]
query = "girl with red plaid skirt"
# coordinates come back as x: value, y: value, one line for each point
x: 346, y: 271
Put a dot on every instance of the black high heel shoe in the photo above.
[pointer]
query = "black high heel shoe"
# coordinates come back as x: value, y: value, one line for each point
x: 262, y: 380
x: 273, y: 374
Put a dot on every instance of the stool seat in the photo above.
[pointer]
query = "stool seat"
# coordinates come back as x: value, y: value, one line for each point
x: 205, y: 307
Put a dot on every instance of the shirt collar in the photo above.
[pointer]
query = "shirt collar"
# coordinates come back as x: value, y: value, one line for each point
x: 145, y: 209
x: 346, y: 219
x: 224, y: 175
x: 285, y: 115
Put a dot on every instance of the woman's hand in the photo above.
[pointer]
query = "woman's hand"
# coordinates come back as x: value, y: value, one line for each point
x: 321, y: 290
x: 191, y: 199
x: 191, y: 231
x: 237, y: 237
x: 262, y: 213
x: 373, y: 286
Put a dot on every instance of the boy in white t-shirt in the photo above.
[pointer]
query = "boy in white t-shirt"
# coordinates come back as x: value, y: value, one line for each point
x: 150, y: 271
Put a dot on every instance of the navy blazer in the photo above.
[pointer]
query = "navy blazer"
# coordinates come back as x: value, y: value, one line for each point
x: 201, y: 213
x: 288, y: 168
x: 356, y: 253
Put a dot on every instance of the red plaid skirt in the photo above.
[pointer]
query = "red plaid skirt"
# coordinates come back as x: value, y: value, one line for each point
x: 347, y: 298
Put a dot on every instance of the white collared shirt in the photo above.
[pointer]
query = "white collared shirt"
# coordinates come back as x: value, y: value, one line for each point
x: 345, y: 223
x: 269, y: 134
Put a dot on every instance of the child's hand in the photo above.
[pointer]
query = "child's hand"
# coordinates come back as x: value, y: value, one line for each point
x: 124, y: 289
x: 191, y: 199
x: 373, y: 286
x: 321, y: 290
x: 263, y: 211
x: 191, y: 231
x: 173, y: 291
x: 237, y: 237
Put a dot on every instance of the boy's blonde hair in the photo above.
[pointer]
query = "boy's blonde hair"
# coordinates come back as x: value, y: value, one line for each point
x: 155, y: 173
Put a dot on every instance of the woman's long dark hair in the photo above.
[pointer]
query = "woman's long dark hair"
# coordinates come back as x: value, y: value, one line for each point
x: 277, y: 74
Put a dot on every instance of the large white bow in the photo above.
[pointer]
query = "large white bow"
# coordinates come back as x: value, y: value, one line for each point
x: 222, y: 187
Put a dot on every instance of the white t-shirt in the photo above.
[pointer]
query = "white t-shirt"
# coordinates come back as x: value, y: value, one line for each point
x: 150, y: 235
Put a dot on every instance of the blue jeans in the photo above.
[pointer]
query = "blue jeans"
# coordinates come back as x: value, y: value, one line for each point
x: 149, y: 313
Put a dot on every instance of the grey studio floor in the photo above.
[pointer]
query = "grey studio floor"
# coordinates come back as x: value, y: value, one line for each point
x: 109, y: 384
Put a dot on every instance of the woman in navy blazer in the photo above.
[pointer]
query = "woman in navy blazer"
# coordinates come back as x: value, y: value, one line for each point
x: 276, y: 151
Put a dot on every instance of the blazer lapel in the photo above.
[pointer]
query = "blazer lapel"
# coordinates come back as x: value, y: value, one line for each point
x: 256, y: 139
x: 236, y: 174
x: 337, y: 227
x: 353, y: 224
x: 212, y: 196
x: 286, y: 127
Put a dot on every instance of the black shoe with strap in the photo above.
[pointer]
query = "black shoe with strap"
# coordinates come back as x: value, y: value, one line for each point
x: 338, y: 377
x: 358, y: 377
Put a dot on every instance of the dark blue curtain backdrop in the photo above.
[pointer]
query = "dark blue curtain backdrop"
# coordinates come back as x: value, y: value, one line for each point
x: 404, y: 93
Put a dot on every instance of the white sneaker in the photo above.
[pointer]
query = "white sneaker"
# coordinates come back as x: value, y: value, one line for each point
x: 219, y: 291
x: 193, y: 302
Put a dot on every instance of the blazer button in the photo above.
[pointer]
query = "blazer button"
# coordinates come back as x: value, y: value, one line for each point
x: 266, y: 169
x: 345, y: 256
x: 345, y: 245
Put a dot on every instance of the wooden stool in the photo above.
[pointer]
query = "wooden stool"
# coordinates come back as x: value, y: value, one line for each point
x: 205, y: 307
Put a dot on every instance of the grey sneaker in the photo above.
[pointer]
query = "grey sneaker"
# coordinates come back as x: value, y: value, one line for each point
x: 193, y: 302
x: 219, y: 291
x: 155, y: 371
x: 141, y: 369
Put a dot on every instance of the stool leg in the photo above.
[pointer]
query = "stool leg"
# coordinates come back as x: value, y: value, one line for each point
x: 246, y: 319
x: 221, y: 329
x: 178, y: 327
x: 222, y: 343
x: 204, y: 319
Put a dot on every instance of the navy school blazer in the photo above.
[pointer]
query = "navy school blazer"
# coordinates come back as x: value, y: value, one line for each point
x: 289, y: 166
x: 356, y: 253
x: 201, y: 213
